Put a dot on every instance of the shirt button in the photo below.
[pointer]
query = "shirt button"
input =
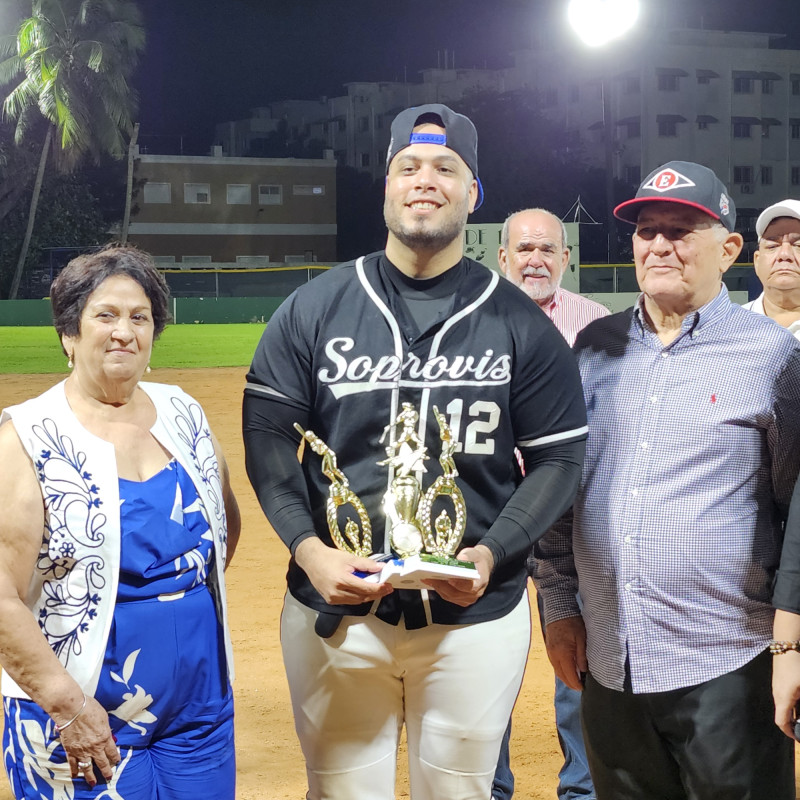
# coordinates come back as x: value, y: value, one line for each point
x: 665, y: 354
x: 653, y: 399
x: 628, y: 539
x: 628, y: 587
x: 644, y: 445
x: 635, y: 492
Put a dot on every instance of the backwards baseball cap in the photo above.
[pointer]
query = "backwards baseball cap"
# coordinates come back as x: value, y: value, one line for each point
x: 686, y: 183
x: 786, y: 208
x: 460, y: 136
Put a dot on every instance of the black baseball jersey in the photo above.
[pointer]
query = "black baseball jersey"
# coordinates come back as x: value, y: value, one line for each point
x: 344, y: 353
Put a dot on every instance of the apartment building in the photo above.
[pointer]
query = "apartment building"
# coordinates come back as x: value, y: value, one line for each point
x: 730, y: 100
x: 197, y: 210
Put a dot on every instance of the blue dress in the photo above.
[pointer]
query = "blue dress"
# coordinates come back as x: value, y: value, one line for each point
x: 164, y: 678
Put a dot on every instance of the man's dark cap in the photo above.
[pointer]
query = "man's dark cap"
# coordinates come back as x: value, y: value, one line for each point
x: 460, y: 136
x: 685, y: 183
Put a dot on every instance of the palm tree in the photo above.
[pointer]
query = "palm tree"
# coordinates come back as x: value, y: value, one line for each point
x: 72, y: 60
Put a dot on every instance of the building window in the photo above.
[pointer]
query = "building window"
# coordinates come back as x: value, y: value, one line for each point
x: 702, y: 125
x: 795, y: 86
x: 703, y: 79
x: 252, y: 261
x: 765, y: 131
x: 766, y: 86
x: 743, y: 86
x: 795, y: 130
x: 270, y: 194
x: 363, y: 124
x: 197, y: 193
x: 341, y: 124
x: 668, y: 83
x: 632, y: 174
x: 795, y: 176
x: 633, y: 130
x: 633, y: 85
x: 766, y: 176
x: 239, y: 194
x: 742, y: 174
x: 668, y: 127
x: 365, y: 159
x: 741, y: 130
x: 305, y: 190
x: 157, y: 192
x: 574, y: 93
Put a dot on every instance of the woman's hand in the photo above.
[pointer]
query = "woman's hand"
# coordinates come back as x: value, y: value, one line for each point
x: 89, y: 743
x: 786, y: 671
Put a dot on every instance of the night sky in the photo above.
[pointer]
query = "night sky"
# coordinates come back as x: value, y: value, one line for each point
x: 210, y: 61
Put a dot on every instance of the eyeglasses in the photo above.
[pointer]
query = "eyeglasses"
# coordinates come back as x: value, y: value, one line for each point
x: 773, y: 245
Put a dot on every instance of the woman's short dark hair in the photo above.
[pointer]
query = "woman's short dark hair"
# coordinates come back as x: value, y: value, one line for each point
x: 73, y: 285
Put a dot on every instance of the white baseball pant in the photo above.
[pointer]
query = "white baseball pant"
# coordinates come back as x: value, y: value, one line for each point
x: 454, y: 687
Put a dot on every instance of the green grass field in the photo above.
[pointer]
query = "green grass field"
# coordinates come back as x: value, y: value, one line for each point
x: 33, y: 351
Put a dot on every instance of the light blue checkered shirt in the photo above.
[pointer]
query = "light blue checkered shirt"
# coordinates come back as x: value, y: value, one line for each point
x: 692, y: 454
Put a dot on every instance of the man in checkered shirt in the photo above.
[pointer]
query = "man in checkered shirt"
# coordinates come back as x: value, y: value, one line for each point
x: 693, y: 451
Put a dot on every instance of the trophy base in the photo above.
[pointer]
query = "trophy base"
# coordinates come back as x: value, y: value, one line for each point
x: 409, y: 573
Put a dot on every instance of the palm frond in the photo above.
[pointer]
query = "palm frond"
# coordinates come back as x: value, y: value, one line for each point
x: 10, y: 69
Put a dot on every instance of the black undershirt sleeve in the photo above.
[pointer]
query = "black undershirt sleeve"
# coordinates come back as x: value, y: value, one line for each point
x: 271, y: 444
x: 551, y: 480
x: 270, y: 449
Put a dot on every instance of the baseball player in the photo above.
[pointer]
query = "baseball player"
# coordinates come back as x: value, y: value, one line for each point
x: 417, y: 323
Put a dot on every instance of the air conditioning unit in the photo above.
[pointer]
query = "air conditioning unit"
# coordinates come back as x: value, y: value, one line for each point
x: 746, y: 188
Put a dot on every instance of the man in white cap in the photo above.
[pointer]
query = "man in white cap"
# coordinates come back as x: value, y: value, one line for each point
x: 777, y: 263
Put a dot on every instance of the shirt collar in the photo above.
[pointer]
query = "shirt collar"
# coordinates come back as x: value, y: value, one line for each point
x: 553, y: 303
x: 694, y: 321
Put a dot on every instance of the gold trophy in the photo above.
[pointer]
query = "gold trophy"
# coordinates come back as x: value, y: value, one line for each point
x: 426, y: 550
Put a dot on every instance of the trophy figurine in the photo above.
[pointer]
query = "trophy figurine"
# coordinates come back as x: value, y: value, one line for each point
x: 405, y: 454
x: 445, y: 537
x: 356, y: 540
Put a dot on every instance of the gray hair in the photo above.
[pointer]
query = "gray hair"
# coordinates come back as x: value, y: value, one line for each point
x: 507, y: 223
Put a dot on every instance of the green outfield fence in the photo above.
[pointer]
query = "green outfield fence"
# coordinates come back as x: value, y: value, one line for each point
x: 197, y: 295
x: 252, y: 295
x: 185, y: 310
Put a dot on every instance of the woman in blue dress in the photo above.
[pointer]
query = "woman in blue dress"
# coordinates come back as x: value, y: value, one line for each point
x: 118, y: 523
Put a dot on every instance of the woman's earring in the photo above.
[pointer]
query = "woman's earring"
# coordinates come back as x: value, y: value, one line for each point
x: 70, y: 365
x: 147, y: 369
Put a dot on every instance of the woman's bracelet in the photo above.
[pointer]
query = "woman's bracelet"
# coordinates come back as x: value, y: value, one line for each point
x: 777, y: 648
x: 66, y: 725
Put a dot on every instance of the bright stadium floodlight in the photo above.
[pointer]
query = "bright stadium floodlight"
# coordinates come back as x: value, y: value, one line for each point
x: 598, y: 22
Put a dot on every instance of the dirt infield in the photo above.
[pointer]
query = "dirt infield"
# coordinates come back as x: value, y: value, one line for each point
x: 270, y: 765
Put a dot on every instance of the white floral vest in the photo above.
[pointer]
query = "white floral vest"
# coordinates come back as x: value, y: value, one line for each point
x: 74, y: 585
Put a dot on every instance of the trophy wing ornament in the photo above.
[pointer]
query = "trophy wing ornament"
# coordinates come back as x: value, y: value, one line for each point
x: 357, y: 536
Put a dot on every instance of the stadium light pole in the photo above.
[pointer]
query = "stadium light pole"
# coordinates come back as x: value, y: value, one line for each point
x: 598, y: 22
